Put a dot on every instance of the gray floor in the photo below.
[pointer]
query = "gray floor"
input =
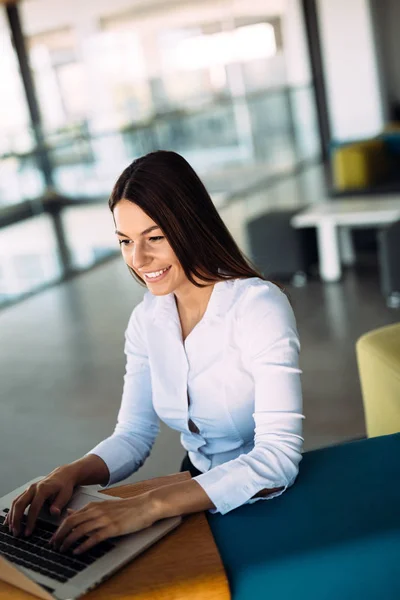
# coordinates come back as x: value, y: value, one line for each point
x: 62, y: 363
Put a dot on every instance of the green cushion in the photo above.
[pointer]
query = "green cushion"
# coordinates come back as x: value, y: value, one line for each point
x: 334, y: 534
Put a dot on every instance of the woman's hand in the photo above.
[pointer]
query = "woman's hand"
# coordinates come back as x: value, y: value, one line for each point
x: 57, y: 488
x: 101, y: 520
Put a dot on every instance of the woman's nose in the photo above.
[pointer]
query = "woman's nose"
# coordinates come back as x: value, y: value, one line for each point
x: 138, y: 257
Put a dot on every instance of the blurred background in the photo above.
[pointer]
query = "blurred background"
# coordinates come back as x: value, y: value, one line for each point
x: 287, y: 109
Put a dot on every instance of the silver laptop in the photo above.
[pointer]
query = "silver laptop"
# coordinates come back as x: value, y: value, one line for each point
x: 32, y: 565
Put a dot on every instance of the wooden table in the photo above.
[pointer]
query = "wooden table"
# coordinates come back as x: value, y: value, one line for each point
x: 185, y: 565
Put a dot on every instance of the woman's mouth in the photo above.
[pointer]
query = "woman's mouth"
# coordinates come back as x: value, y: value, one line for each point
x: 155, y: 276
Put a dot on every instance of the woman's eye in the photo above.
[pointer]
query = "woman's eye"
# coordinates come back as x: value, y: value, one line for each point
x: 152, y: 239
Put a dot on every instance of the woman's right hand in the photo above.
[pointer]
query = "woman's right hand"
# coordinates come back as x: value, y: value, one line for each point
x: 57, y: 489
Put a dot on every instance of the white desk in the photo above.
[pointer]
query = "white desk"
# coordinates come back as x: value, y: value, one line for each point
x: 334, y: 220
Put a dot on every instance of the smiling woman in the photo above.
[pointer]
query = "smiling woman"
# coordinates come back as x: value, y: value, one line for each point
x: 150, y: 257
x: 161, y: 193
x: 212, y: 350
x: 172, y: 198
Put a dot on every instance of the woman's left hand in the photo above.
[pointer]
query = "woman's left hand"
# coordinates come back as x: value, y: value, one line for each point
x: 101, y: 520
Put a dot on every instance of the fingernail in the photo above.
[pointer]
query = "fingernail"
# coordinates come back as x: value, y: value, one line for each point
x: 27, y: 532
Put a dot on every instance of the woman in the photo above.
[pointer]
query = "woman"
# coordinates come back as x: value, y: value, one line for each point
x: 212, y: 350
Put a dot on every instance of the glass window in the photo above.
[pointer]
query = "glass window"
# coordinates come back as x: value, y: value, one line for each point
x: 15, y: 130
x: 60, y: 82
x: 28, y: 257
x: 20, y: 178
x: 206, y: 80
x: 89, y: 232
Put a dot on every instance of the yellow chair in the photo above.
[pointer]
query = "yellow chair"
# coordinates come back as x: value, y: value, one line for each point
x: 378, y: 356
x: 360, y: 164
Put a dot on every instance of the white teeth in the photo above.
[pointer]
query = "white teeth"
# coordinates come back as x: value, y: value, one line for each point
x: 156, y: 273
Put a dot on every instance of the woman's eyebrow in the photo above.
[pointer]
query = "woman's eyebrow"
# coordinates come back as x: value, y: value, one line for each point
x: 143, y: 232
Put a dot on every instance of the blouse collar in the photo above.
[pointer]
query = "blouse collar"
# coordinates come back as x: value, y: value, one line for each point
x: 221, y: 299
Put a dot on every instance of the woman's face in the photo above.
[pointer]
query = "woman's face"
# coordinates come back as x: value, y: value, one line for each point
x: 146, y: 250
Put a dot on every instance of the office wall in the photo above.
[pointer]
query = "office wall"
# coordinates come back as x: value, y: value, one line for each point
x: 298, y: 70
x: 44, y: 15
x: 355, y: 105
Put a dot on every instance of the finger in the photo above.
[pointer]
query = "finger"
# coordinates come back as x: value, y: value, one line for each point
x: 19, y: 508
x: 82, y: 530
x: 34, y: 510
x: 10, y: 514
x: 95, y: 538
x: 60, y: 501
x: 69, y: 523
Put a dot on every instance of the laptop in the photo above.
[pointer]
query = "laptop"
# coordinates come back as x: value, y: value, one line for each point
x: 32, y: 565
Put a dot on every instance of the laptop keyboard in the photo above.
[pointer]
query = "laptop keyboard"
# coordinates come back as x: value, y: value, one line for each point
x: 35, y: 553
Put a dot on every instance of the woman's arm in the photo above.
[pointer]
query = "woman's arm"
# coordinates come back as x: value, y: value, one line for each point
x: 184, y: 498
x: 271, y: 347
x: 266, y: 329
x: 138, y: 425
x: 98, y: 521
x: 89, y: 470
x: 180, y: 498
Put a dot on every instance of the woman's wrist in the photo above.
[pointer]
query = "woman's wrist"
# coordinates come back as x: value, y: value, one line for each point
x: 89, y: 470
x: 156, y: 505
x: 180, y: 498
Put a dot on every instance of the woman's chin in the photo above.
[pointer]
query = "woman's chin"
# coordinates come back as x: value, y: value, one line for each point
x: 158, y: 291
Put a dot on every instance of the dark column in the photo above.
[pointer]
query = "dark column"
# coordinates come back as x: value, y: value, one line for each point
x: 292, y: 123
x: 17, y: 36
x: 51, y: 202
x: 314, y: 46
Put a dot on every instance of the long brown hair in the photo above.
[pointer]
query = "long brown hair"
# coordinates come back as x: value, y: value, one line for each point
x: 168, y: 190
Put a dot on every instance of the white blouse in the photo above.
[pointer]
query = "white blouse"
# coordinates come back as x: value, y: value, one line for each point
x: 236, y: 378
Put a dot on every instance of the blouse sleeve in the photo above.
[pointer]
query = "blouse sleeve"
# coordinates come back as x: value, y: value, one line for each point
x: 267, y: 330
x: 125, y: 451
